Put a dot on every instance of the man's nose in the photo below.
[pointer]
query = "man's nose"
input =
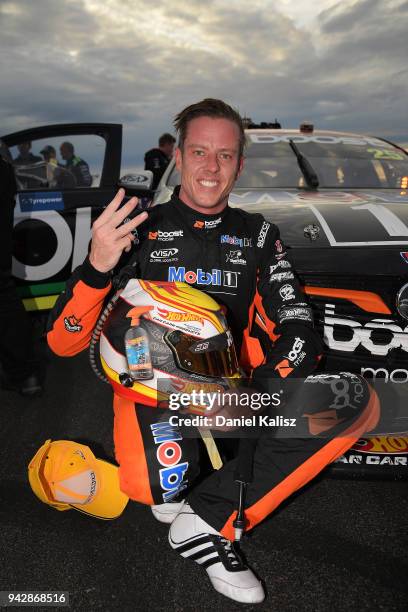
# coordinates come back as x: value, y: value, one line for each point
x: 212, y: 162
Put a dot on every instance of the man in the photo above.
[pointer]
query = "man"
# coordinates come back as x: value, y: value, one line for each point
x: 57, y: 175
x: 50, y: 155
x: 158, y: 159
x: 202, y: 230
x: 25, y: 156
x: 77, y: 166
x: 16, y: 346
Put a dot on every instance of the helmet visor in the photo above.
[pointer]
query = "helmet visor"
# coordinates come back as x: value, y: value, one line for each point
x: 213, y: 356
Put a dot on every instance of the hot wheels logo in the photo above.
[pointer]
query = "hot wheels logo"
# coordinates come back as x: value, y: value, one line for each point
x: 382, y: 445
x: 183, y: 317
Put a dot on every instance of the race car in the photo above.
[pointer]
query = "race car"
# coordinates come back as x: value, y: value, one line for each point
x: 341, y: 202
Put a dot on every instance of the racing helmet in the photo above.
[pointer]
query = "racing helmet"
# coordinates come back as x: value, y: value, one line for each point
x: 166, y: 337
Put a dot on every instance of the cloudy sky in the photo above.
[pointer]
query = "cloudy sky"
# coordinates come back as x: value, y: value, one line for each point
x: 342, y: 65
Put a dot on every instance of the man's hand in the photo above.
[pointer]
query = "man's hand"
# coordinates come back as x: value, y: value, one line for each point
x: 109, y: 237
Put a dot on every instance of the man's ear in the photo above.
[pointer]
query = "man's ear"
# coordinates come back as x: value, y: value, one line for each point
x: 179, y: 158
x: 240, y: 167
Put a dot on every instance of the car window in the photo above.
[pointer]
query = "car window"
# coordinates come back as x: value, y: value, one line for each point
x: 359, y: 163
x: 58, y: 163
x: 340, y: 163
x: 174, y: 178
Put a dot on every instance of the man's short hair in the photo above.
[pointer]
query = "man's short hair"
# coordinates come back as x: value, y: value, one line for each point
x: 68, y: 145
x: 210, y: 107
x: 166, y: 139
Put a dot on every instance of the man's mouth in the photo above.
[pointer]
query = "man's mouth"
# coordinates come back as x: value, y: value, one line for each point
x: 208, y: 183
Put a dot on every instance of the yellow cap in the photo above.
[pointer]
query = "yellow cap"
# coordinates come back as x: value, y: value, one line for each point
x: 65, y: 475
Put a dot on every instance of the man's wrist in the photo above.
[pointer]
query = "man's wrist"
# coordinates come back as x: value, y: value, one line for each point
x: 93, y: 277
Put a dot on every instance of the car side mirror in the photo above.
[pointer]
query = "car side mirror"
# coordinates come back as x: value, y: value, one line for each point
x: 140, y: 181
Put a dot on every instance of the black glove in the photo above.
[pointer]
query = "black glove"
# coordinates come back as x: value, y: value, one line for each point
x: 294, y: 356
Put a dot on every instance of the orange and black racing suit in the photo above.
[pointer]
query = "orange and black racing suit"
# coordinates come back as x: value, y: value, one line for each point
x: 231, y: 256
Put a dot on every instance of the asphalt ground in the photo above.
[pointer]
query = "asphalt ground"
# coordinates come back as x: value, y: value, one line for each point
x: 337, y: 545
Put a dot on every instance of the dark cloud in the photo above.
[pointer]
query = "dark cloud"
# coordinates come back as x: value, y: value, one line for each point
x: 138, y: 63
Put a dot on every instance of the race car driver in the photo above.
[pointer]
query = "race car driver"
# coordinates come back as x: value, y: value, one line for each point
x: 199, y: 239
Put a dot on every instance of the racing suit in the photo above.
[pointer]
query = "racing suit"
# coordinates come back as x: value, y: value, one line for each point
x: 230, y: 255
x: 80, y: 170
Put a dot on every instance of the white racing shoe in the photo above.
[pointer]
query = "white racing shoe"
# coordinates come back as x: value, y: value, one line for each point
x: 195, y: 539
x: 166, y: 513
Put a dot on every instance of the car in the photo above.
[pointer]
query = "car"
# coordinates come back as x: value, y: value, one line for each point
x: 340, y: 200
x: 55, y: 209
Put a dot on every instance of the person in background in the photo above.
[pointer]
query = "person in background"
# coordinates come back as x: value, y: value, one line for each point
x: 25, y: 156
x: 77, y: 166
x: 158, y: 158
x: 16, y: 345
x: 50, y: 155
x: 58, y: 176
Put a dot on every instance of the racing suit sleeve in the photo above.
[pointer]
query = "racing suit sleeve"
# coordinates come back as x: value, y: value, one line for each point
x: 296, y: 352
x: 74, y: 316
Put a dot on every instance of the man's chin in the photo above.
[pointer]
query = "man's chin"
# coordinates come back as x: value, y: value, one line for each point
x: 210, y: 203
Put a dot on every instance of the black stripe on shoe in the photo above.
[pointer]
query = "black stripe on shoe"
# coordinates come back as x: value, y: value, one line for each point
x: 192, y: 544
x: 202, y: 553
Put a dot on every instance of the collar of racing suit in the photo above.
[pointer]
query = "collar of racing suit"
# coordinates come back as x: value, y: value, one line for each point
x: 196, y: 220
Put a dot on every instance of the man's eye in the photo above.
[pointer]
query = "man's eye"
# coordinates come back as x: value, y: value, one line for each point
x: 198, y: 152
x: 227, y: 156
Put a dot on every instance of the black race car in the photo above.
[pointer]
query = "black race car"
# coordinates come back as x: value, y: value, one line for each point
x: 340, y: 200
x: 341, y: 203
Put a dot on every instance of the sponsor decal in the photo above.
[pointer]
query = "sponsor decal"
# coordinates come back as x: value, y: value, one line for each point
x: 293, y: 359
x: 164, y: 255
x: 41, y: 200
x: 262, y: 234
x: 235, y: 257
x: 372, y: 460
x: 165, y: 236
x: 201, y: 347
x: 207, y: 224
x: 404, y: 255
x: 346, y: 387
x: 183, y: 317
x: 283, y: 368
x: 199, y: 277
x: 280, y: 276
x: 287, y: 292
x: 347, y: 140
x: 242, y: 242
x: 169, y: 455
x: 71, y: 324
x: 398, y: 376
x: 302, y: 313
x: 362, y: 334
x: 296, y: 354
x: 283, y: 263
x: 382, y: 445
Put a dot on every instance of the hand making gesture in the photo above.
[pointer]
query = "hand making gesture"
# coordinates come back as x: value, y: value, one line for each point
x: 109, y: 237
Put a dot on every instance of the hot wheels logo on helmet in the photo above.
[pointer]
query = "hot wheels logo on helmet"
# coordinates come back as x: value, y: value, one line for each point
x: 182, y: 317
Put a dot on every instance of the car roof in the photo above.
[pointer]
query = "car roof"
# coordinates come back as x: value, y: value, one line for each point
x: 277, y: 132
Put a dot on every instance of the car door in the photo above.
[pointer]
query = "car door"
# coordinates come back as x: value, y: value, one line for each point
x: 58, y: 199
